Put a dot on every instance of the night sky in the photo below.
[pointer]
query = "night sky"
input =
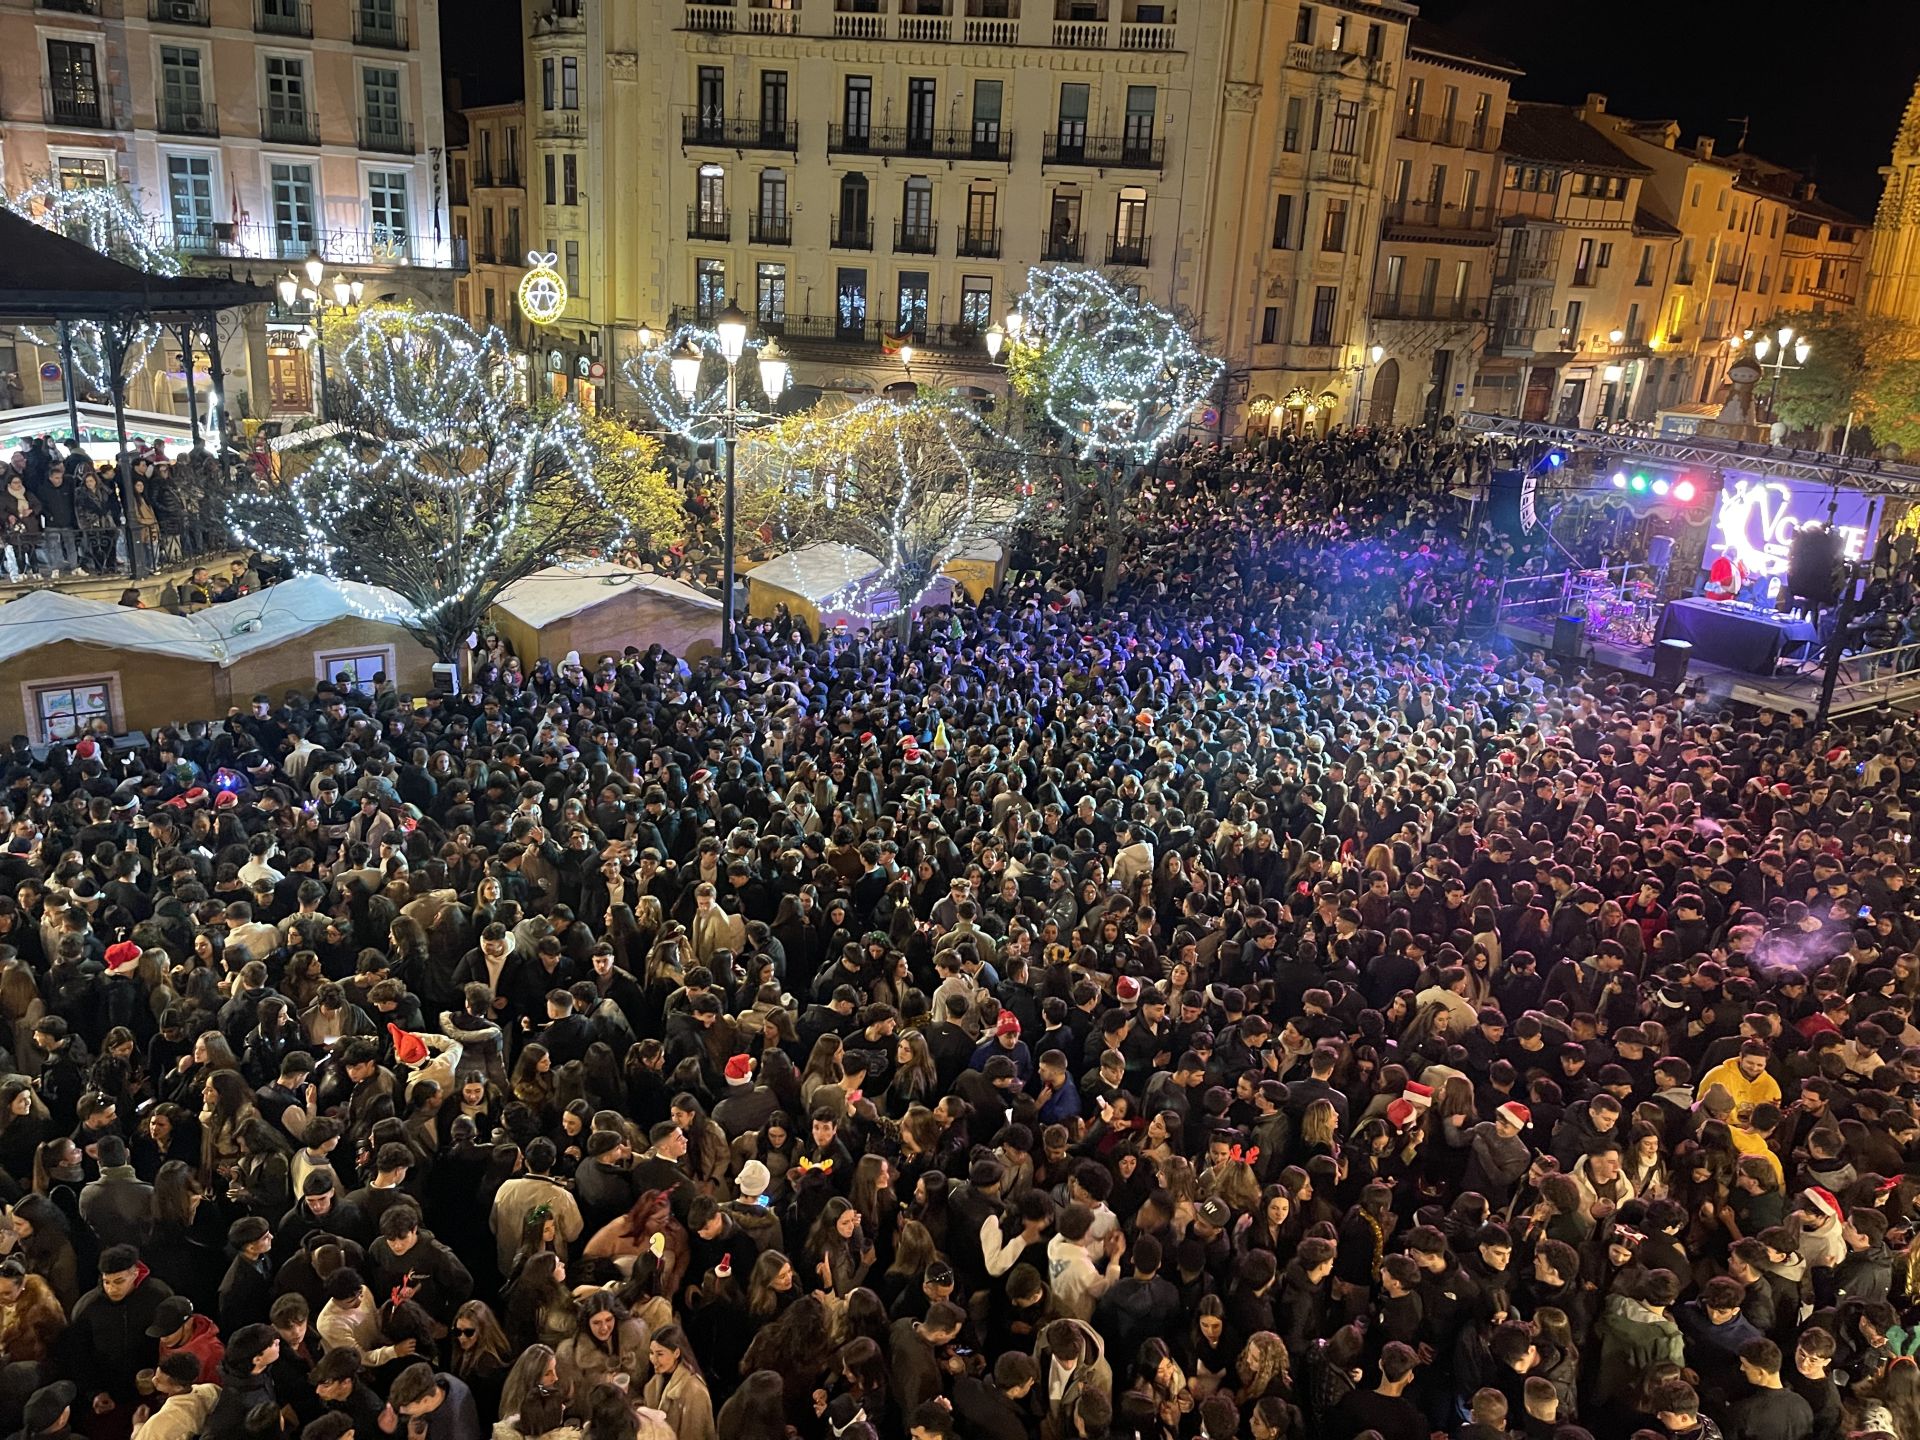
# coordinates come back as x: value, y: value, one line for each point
x: 1823, y: 85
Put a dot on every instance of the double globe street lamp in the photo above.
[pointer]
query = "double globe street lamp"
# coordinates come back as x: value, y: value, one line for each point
x: 684, y: 365
x: 345, y: 294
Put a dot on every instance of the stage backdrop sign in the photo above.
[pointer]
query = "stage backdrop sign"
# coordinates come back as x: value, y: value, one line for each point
x: 1757, y: 517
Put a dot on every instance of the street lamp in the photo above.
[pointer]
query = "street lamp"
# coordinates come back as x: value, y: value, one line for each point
x: 684, y: 364
x: 1779, y: 344
x: 1375, y: 353
x: 345, y: 294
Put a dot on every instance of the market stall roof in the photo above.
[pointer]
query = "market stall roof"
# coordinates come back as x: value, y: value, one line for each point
x: 218, y: 635
x: 560, y: 592
x: 49, y: 277
x: 816, y: 572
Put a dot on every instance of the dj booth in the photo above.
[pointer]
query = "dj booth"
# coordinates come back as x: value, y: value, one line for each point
x: 1738, y: 636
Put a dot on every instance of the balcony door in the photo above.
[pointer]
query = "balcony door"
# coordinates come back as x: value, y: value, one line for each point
x: 921, y: 112
x: 293, y: 211
x: 73, y: 72
x: 850, y: 304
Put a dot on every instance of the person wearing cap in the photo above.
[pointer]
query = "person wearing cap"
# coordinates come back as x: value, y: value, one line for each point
x: 1006, y: 1041
x: 48, y: 1413
x: 182, y: 1331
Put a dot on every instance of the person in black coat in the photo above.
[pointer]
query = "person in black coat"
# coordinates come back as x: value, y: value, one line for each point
x: 996, y: 1409
x: 246, y: 1292
x: 106, y: 1335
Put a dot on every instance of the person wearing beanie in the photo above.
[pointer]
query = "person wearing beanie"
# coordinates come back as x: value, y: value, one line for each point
x: 753, y: 1209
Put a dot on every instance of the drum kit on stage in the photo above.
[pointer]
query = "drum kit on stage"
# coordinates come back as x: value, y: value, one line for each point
x: 1624, y: 612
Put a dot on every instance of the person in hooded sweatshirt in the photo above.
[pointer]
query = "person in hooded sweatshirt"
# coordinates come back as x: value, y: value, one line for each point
x: 1635, y: 1334
x: 110, y: 1327
x: 181, y: 1331
x: 245, y: 1381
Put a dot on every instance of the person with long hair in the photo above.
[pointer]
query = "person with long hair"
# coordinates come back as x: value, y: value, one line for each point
x: 677, y: 1388
x: 772, y: 1286
x: 607, y: 1341
x: 481, y: 1354
x: 536, y: 1368
x: 798, y: 1346
x: 43, y: 1242
x: 837, y: 1249
x: 756, y: 1410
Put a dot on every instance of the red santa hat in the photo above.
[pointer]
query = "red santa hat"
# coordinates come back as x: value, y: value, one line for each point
x: 1823, y: 1200
x: 740, y: 1070
x: 1417, y: 1094
x: 124, y: 953
x: 1127, y: 988
x: 1400, y: 1114
x: 408, y: 1048
x: 1515, y: 1114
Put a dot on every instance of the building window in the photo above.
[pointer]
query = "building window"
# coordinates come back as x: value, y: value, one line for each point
x: 293, y: 209
x: 82, y: 172
x: 987, y: 99
x: 1270, y: 325
x: 573, y: 268
x: 770, y: 294
x: 1283, y: 222
x: 381, y: 91
x: 1140, y: 107
x: 916, y: 208
x: 1333, y: 233
x: 570, y: 179
x: 976, y: 303
x: 712, y: 90
x: 710, y: 195
x: 182, y: 98
x: 286, y: 92
x: 1583, y: 263
x: 1303, y: 26
x: 1325, y: 299
x: 356, y: 669
x: 68, y: 708
x: 1604, y: 257
x: 709, y: 289
x: 1645, y: 277
x: 547, y: 87
x: 1073, y: 119
x: 1296, y: 117
x: 922, y: 111
x: 1130, y: 227
x: 856, y: 110
x: 773, y: 198
x: 569, y: 83
x: 73, y: 78
x: 1395, y: 277
x: 190, y: 200
x: 387, y: 210
x: 1376, y: 42
x: 912, y: 313
x: 1346, y: 127
x: 552, y: 178
x: 773, y: 103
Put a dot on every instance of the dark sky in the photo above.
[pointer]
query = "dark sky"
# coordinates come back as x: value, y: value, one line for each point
x: 1824, y: 86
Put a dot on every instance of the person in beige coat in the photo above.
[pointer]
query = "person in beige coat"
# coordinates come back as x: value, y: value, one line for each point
x: 677, y: 1388
x: 184, y: 1406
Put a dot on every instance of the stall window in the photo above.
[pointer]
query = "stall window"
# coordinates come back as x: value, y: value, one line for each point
x: 64, y: 708
x: 358, y: 666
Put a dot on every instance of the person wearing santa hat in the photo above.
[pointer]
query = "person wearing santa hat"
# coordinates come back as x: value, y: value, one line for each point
x: 746, y: 1107
x: 1497, y: 1156
x: 1822, y: 1243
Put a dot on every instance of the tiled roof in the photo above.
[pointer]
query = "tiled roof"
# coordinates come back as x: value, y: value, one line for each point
x: 1556, y: 135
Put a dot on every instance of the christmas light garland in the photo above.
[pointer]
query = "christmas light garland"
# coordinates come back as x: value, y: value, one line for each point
x: 103, y: 219
x: 702, y: 417
x: 938, y: 495
x: 1120, y: 375
x: 434, y: 423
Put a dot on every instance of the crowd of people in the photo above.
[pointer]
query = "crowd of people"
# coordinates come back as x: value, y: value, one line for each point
x: 64, y: 515
x: 1243, y: 1005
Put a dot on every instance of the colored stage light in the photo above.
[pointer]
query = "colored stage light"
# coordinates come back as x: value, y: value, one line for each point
x: 1619, y: 479
x: 1639, y: 484
x: 1556, y: 458
x: 1684, y: 491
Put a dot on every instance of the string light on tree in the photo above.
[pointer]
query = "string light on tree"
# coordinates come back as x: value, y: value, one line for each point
x: 102, y: 218
x: 439, y: 487
x: 543, y: 289
x: 681, y: 375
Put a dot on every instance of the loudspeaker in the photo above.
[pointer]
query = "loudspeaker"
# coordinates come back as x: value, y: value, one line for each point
x: 1660, y: 551
x: 1570, y: 637
x: 1670, y: 661
x: 1813, y: 565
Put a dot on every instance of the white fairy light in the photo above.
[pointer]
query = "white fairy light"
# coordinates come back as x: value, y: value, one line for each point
x: 439, y: 457
x: 102, y: 218
x: 701, y: 416
x: 1120, y: 374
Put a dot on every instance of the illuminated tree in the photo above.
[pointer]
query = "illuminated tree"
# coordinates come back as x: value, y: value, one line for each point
x: 1118, y: 376
x: 914, y: 485
x: 441, y: 488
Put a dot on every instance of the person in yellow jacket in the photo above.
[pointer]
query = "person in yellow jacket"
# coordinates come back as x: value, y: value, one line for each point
x: 1744, y: 1077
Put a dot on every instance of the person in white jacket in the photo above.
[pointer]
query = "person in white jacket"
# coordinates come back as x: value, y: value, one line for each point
x: 1077, y: 1282
x: 184, y: 1406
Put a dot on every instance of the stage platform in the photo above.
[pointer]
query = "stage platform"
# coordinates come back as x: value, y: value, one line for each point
x: 1891, y: 677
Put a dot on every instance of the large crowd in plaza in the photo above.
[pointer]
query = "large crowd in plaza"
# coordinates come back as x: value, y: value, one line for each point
x: 1229, y: 1006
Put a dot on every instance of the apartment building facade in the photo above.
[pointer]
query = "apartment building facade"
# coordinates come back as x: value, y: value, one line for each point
x: 1578, y: 273
x: 249, y: 133
x: 1294, y: 205
x: 860, y: 176
x: 1432, y: 284
x: 487, y: 170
